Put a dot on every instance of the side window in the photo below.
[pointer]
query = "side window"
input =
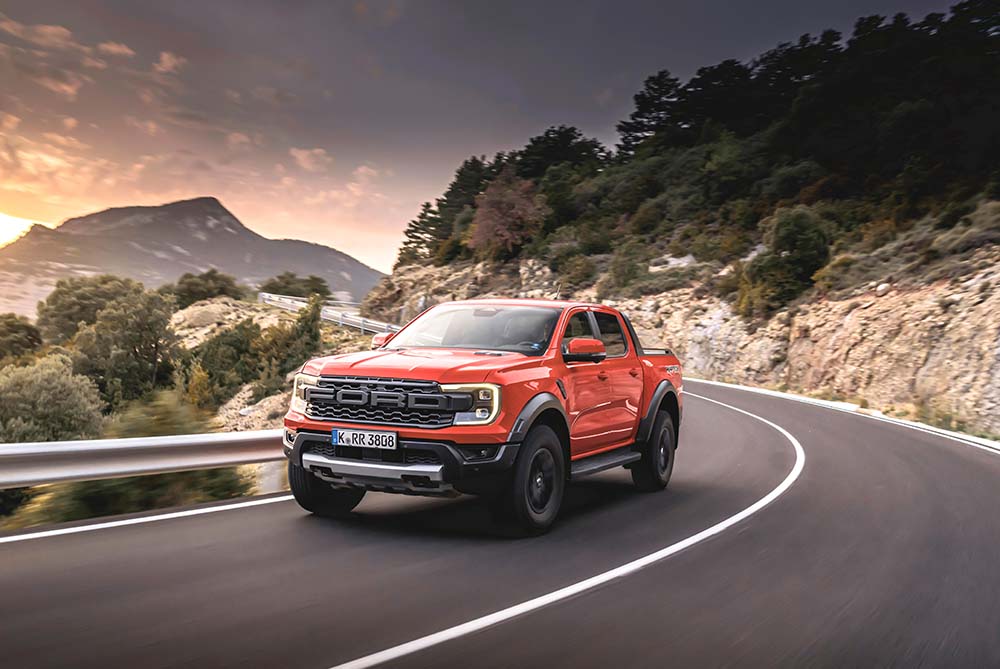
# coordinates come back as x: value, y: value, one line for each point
x: 610, y: 332
x: 578, y: 326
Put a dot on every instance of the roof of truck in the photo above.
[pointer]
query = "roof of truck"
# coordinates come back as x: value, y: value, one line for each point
x: 528, y: 302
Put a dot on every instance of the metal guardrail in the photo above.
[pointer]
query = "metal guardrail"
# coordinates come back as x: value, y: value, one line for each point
x: 36, y: 463
x: 341, y: 317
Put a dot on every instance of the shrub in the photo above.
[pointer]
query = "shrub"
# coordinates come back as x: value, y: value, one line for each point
x: 46, y: 401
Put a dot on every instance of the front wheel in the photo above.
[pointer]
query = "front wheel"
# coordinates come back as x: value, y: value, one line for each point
x: 653, y: 471
x: 535, y: 493
x: 320, y: 498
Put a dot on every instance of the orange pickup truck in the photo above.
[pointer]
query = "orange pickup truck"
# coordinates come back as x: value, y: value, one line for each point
x: 506, y: 398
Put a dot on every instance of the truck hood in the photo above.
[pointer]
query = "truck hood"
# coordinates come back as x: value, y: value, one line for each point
x: 429, y: 364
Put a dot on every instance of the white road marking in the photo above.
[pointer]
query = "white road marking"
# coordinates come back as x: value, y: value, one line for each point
x: 503, y: 615
x: 141, y: 520
x: 982, y: 444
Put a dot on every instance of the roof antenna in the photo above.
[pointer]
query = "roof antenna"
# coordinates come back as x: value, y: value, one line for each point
x: 555, y: 295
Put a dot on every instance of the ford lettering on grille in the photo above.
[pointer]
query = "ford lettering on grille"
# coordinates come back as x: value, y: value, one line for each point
x: 384, y: 402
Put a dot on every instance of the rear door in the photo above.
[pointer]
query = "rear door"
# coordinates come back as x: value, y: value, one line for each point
x: 624, y: 373
x: 588, y: 389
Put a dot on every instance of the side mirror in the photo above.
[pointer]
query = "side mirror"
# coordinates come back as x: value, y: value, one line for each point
x: 381, y: 339
x: 584, y: 349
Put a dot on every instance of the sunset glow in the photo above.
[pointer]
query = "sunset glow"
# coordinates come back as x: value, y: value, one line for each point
x: 12, y: 227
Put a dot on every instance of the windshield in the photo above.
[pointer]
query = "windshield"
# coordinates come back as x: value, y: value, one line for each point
x: 497, y: 328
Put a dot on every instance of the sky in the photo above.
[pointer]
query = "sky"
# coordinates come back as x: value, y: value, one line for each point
x: 332, y: 121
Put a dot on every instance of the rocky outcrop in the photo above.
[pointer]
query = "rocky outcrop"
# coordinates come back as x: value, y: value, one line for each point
x: 207, y: 318
x: 929, y: 352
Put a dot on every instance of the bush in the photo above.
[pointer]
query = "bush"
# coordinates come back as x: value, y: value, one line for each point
x: 577, y: 271
x: 17, y: 336
x: 228, y: 360
x: 46, y: 401
x: 76, y: 301
x: 191, y: 288
x: 797, y: 246
x: 509, y: 214
x: 289, y: 283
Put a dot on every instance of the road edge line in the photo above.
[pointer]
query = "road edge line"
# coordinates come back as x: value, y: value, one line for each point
x: 28, y: 536
x: 492, y: 619
x: 981, y: 443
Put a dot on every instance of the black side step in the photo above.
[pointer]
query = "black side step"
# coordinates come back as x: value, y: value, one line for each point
x: 598, y: 463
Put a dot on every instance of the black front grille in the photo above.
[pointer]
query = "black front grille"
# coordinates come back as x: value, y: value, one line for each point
x: 409, y: 456
x: 322, y: 406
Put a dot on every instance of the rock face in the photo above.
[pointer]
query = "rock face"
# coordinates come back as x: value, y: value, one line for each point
x: 156, y: 245
x: 931, y: 352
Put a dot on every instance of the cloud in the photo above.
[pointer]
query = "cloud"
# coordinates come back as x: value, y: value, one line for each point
x: 237, y: 141
x: 151, y: 128
x: 69, y: 122
x: 48, y: 36
x: 357, y: 192
x: 311, y: 160
x: 115, y: 49
x: 233, y: 96
x: 169, y: 63
x: 9, y: 122
x: 62, y: 80
x: 65, y: 141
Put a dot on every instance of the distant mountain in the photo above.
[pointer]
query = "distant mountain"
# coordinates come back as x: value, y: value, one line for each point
x: 156, y: 245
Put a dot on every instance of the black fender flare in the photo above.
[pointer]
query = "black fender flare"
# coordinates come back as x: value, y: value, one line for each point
x: 663, y: 389
x: 531, y: 411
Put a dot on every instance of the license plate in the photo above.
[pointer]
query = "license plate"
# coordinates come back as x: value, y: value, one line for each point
x: 364, y: 439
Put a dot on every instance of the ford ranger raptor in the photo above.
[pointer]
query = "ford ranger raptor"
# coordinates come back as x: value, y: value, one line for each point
x: 511, y: 399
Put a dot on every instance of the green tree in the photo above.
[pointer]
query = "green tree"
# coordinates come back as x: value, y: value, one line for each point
x: 17, y: 336
x: 76, y: 301
x: 191, y: 288
x: 422, y: 236
x: 129, y: 349
x: 558, y: 145
x: 509, y: 213
x: 655, y: 112
x: 289, y: 283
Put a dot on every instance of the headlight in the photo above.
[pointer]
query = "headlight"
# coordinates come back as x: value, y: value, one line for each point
x: 485, y: 402
x: 302, y: 381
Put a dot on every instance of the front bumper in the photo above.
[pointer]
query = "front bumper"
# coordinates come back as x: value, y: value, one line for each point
x: 445, y: 469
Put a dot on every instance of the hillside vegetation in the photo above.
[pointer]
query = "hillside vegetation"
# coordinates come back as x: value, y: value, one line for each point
x: 768, y: 177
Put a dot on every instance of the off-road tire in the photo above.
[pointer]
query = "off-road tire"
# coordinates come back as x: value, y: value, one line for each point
x: 532, y: 500
x: 319, y: 497
x: 653, y: 471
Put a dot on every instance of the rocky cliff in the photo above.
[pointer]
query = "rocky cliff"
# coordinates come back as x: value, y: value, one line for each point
x: 927, y: 351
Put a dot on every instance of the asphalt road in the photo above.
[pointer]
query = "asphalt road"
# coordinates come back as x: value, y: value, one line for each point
x: 884, y: 552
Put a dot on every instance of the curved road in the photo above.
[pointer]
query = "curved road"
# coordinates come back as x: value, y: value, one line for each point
x: 884, y: 551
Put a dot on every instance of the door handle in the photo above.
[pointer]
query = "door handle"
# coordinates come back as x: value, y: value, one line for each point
x: 603, y: 376
x: 634, y: 373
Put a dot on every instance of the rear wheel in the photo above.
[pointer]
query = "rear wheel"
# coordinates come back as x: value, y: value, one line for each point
x: 653, y: 471
x: 319, y: 497
x: 535, y: 493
